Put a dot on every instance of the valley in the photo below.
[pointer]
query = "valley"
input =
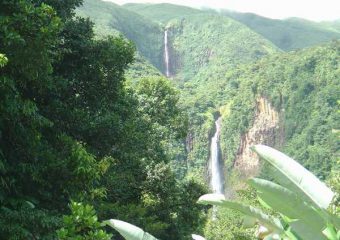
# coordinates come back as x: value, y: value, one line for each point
x: 134, y: 111
x: 201, y: 52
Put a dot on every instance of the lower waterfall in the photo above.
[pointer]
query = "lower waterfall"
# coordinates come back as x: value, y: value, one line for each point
x: 216, y: 170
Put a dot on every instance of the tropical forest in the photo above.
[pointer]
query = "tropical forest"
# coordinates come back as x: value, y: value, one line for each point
x: 146, y: 121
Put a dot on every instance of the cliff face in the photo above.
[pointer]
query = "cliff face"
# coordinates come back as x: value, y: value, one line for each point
x: 265, y: 130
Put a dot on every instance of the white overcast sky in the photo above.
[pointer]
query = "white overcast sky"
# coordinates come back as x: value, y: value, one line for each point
x: 316, y: 10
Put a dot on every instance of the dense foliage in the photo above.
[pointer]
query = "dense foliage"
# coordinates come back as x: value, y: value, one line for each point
x: 88, y: 121
x: 113, y: 19
x: 82, y: 223
x: 304, y: 88
x: 72, y: 129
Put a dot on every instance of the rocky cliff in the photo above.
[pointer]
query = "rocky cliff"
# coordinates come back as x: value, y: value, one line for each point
x: 265, y: 130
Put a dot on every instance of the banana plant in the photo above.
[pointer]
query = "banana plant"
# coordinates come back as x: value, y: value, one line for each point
x: 300, y: 199
x: 129, y: 231
x: 197, y: 237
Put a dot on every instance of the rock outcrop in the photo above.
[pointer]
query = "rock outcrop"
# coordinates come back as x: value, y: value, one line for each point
x: 265, y: 130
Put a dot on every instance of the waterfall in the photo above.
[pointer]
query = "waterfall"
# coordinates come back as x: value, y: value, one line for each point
x: 166, y: 54
x: 215, y: 160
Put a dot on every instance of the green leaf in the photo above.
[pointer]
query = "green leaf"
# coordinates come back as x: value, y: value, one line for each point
x: 330, y: 218
x: 289, y: 204
x: 197, y: 237
x: 219, y: 200
x: 249, y: 222
x: 272, y: 237
x: 289, y: 235
x: 306, y: 232
x: 264, y: 204
x: 298, y: 179
x: 330, y: 232
x: 286, y: 202
x: 129, y: 231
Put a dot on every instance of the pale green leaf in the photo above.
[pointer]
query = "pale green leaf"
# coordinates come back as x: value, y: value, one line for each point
x: 197, y: 237
x: 330, y: 232
x: 249, y: 222
x: 129, y: 231
x: 308, y: 221
x: 289, y: 204
x: 265, y: 220
x: 304, y: 231
x: 299, y: 179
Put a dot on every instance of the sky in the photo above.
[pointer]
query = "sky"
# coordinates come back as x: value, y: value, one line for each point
x: 316, y: 10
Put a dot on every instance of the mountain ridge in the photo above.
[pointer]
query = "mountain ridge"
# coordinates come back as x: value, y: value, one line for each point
x: 288, y: 34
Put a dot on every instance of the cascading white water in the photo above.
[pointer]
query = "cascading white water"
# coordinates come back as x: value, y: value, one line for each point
x: 216, y: 169
x: 166, y: 54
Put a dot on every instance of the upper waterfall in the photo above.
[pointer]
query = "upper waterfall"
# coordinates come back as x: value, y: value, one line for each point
x: 215, y: 160
x: 166, y: 54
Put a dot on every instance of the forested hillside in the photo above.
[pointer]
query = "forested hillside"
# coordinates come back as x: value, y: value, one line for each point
x: 202, y: 48
x: 71, y: 130
x: 303, y: 87
x: 162, y: 12
x: 111, y: 19
x: 289, y: 34
x: 92, y: 129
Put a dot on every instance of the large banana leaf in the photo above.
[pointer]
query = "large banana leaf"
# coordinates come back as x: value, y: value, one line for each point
x: 197, y: 237
x: 306, y: 232
x: 286, y: 202
x: 331, y: 233
x: 129, y: 231
x: 330, y: 218
x: 265, y: 220
x: 299, y: 179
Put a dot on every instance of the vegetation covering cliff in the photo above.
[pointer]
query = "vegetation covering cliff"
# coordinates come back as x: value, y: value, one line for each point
x: 303, y: 87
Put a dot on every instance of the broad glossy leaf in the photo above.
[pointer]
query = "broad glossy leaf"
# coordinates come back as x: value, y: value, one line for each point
x: 288, y: 203
x: 249, y: 222
x: 197, y: 237
x: 306, y: 232
x: 129, y: 231
x: 330, y: 233
x: 219, y: 200
x: 272, y: 237
x: 299, y: 179
x: 330, y: 218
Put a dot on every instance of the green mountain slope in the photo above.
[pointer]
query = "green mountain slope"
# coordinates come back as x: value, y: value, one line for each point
x: 203, y: 49
x: 304, y: 88
x: 212, y: 63
x: 162, y: 12
x: 204, y: 40
x: 110, y: 18
x: 289, y: 34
